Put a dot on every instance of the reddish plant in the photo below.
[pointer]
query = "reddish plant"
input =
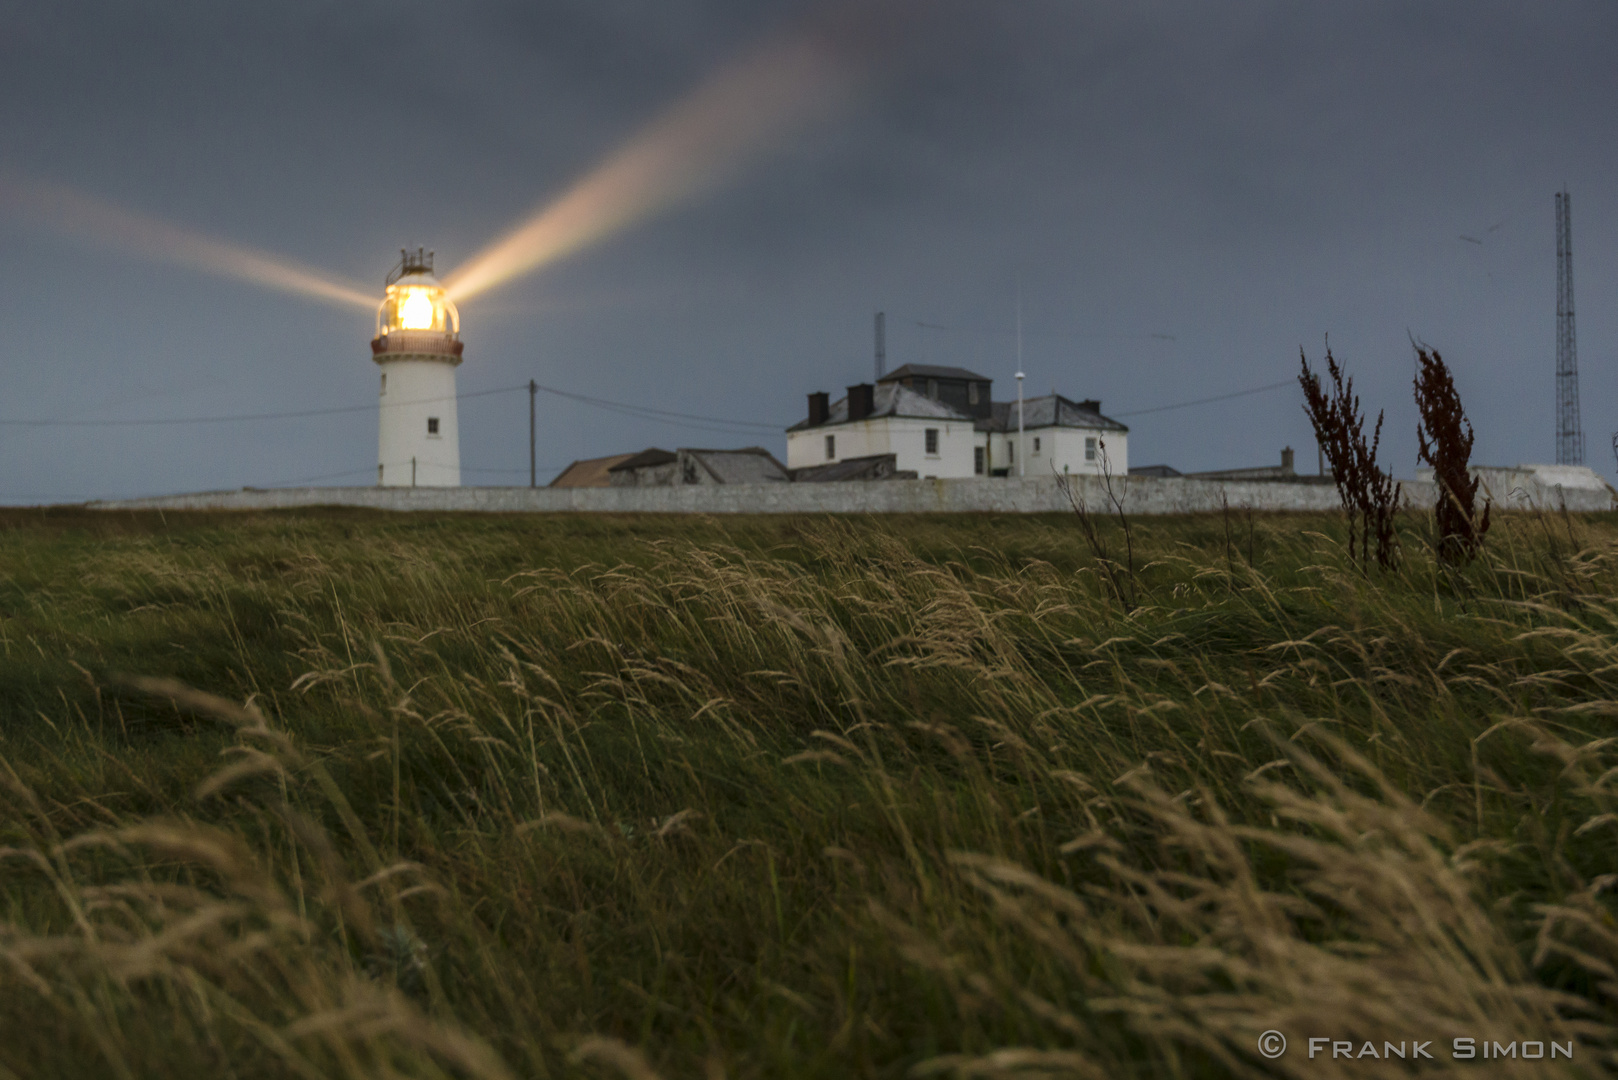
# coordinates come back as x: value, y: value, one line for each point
x: 1368, y: 493
x: 1444, y: 440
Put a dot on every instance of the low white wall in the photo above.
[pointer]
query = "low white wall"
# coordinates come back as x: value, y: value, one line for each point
x: 1142, y: 495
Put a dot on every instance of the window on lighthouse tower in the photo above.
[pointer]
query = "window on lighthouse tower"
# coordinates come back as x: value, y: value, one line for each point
x: 432, y: 425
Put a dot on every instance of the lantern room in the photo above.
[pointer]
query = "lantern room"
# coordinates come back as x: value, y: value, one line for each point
x: 415, y: 301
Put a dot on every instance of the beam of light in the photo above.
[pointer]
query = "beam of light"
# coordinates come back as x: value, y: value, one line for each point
x: 738, y: 115
x: 103, y: 223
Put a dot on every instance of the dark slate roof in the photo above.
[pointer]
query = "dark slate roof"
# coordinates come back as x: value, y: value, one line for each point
x: 1051, y: 410
x: 648, y: 457
x: 875, y: 466
x: 891, y: 400
x: 932, y: 371
x: 1160, y: 471
x: 749, y: 465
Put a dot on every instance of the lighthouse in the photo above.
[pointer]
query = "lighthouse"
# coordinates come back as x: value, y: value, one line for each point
x: 417, y: 347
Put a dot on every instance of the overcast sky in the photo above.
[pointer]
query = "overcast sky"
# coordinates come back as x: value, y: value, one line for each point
x: 1186, y: 193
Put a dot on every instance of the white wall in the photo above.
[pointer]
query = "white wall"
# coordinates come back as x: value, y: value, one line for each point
x: 1061, y: 449
x: 902, y: 436
x: 412, y: 390
x: 1141, y: 495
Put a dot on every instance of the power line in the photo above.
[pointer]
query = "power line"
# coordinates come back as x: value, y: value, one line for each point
x: 1011, y: 331
x: 1210, y: 400
x: 707, y: 423
x: 649, y: 412
x: 175, y: 420
x: 367, y: 470
x: 313, y: 479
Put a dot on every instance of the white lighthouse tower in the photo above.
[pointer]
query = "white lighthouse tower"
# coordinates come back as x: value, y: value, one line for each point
x: 418, y: 348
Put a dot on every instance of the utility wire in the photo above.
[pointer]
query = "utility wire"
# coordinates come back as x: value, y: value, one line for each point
x: 1210, y: 400
x: 647, y: 411
x: 312, y: 479
x: 1011, y: 331
x: 622, y: 407
x: 168, y: 421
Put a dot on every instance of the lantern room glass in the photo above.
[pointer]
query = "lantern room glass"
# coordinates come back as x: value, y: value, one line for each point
x: 417, y: 303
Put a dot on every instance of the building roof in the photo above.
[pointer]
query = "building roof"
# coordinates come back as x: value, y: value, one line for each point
x: 932, y: 371
x: 749, y: 465
x: 646, y: 458
x: 589, y: 472
x: 1051, y: 410
x: 872, y: 467
x: 891, y: 400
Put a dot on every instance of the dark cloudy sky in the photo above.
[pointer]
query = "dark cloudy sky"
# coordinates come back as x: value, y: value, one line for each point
x: 1186, y: 192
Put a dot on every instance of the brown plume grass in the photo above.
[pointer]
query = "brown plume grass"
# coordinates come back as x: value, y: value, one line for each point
x: 338, y: 795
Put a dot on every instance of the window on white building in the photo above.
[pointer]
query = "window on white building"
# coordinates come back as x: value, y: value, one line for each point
x: 1036, y: 444
x: 1089, y: 449
x: 1011, y: 451
x: 932, y: 442
x: 831, y: 447
x: 977, y: 460
x: 432, y: 425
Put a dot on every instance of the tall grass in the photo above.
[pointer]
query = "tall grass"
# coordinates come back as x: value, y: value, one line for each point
x: 358, y: 796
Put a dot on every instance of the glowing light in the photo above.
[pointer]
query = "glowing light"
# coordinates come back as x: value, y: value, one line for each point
x: 106, y: 224
x: 738, y: 115
x: 416, y: 310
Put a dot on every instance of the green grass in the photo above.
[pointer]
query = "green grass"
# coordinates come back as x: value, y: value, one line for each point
x: 348, y: 794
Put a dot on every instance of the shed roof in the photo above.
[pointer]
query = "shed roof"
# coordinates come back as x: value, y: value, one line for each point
x: 748, y: 465
x: 873, y: 466
x: 648, y: 457
x: 588, y: 472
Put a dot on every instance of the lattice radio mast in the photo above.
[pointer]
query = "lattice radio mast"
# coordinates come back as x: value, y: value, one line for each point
x: 1569, y: 436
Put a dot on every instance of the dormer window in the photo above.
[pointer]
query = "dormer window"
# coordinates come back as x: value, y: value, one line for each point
x: 932, y: 389
x: 971, y: 393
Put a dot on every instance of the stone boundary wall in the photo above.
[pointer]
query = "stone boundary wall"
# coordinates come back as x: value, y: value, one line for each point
x: 1512, y: 489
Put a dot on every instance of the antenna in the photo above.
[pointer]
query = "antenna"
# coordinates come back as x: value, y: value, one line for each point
x: 1022, y: 447
x: 881, y: 345
x: 1019, y: 329
x: 1569, y: 437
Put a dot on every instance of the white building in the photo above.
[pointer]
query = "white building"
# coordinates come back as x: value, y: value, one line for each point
x: 942, y: 422
x: 925, y: 436
x: 418, y: 348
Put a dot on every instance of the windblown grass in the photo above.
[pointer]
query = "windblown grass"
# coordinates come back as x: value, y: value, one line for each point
x: 363, y: 796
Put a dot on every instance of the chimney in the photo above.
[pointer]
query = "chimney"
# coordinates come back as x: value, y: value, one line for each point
x: 819, y: 408
x: 1092, y: 404
x: 1287, y: 460
x: 861, y: 401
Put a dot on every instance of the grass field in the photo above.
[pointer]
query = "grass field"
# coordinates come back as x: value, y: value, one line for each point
x: 338, y: 794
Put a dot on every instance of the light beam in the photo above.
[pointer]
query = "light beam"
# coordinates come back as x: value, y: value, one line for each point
x: 738, y: 115
x: 103, y: 223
